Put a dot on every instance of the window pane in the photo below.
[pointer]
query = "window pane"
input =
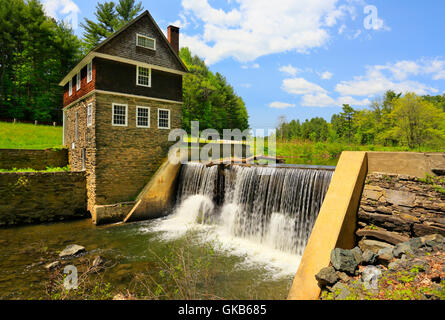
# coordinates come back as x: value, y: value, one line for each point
x: 119, y: 115
x: 143, y: 76
x: 143, y: 117
x: 146, y: 42
x: 163, y: 118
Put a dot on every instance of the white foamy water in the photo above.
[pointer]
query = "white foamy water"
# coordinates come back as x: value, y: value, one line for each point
x: 266, y: 215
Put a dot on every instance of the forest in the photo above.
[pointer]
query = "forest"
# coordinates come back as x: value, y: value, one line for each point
x: 396, y: 120
x: 37, y: 51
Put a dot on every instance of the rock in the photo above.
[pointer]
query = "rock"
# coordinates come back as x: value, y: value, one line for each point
x: 343, y: 276
x: 384, y: 210
x: 390, y: 237
x: 402, y: 248
x: 373, y: 245
x: 52, y: 265
x: 369, y: 257
x: 357, y: 254
x: 384, y: 256
x: 372, y: 193
x: 344, y: 260
x: 400, y: 198
x: 326, y: 276
x: 394, y: 265
x: 425, y: 229
x: 388, y: 222
x: 370, y: 277
x: 98, y: 261
x: 408, y: 217
x: 434, y: 240
x: 71, y: 250
x: 341, y: 291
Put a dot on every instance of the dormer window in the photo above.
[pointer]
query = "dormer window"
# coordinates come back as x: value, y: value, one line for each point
x: 143, y: 76
x: 145, y: 42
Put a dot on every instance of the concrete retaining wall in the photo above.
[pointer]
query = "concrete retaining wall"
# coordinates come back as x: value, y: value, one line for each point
x: 337, y: 221
x: 35, y: 197
x: 34, y: 159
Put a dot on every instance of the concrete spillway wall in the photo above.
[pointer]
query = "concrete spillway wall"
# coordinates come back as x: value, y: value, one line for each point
x: 337, y: 220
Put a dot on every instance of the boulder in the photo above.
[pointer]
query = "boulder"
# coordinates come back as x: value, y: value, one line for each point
x: 385, y: 256
x: 344, y: 260
x: 357, y: 254
x: 370, y: 277
x: 71, y: 250
x: 373, y: 245
x: 369, y: 257
x: 402, y: 248
x: 341, y: 291
x: 326, y: 277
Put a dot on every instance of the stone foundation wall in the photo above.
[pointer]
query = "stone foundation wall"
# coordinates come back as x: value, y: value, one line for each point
x: 34, y: 159
x: 128, y: 156
x: 395, y: 208
x: 36, y: 197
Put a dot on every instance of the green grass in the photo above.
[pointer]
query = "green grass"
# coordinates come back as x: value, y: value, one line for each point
x: 29, y: 136
x: 48, y: 169
x: 325, y: 153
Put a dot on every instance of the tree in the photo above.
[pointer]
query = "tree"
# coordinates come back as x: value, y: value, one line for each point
x: 417, y: 122
x: 110, y: 18
x: 35, y: 53
x: 347, y: 115
x: 209, y: 99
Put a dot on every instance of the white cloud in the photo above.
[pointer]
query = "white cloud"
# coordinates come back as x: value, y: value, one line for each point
x: 326, y: 75
x: 317, y: 100
x: 395, y: 76
x: 281, y: 105
x: 52, y: 7
x: 246, y: 85
x: 301, y: 86
x: 253, y: 66
x: 290, y: 70
x: 260, y: 27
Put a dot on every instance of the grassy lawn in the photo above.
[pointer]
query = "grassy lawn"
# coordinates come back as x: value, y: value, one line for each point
x: 325, y: 153
x: 29, y: 136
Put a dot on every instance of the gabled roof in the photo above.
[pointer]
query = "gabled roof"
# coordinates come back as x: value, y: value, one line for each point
x: 93, y: 52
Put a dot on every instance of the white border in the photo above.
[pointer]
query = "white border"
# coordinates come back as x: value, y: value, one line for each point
x: 137, y: 77
x: 169, y: 116
x: 126, y: 114
x: 149, y: 116
x: 141, y: 35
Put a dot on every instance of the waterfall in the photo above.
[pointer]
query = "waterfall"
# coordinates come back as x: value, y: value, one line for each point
x: 276, y: 207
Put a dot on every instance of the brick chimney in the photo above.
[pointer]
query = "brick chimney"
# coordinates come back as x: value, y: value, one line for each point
x: 173, y: 37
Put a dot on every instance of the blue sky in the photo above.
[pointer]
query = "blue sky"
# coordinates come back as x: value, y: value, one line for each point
x: 304, y: 58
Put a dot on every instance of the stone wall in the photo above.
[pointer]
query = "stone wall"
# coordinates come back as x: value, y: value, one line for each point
x: 34, y: 159
x: 36, y: 197
x: 86, y: 139
x: 395, y: 208
x: 127, y: 157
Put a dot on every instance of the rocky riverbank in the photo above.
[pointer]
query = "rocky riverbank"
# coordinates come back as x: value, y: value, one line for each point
x: 413, y: 270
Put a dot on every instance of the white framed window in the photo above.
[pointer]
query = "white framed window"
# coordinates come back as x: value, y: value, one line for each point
x: 70, y: 87
x: 143, y: 76
x: 120, y: 115
x: 89, y: 72
x: 89, y: 114
x: 142, y: 117
x: 145, y: 42
x: 78, y: 81
x: 163, y: 119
